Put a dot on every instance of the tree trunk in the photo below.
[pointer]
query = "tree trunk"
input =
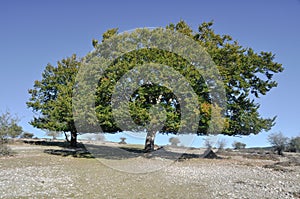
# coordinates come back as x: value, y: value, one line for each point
x: 279, y: 151
x: 66, y: 136
x: 149, y: 143
x: 73, y: 142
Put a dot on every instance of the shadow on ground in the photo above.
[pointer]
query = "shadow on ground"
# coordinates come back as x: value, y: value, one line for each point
x: 116, y: 152
x: 66, y: 150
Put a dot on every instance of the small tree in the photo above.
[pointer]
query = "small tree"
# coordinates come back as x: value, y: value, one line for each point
x: 174, y: 141
x: 4, y: 150
x: 89, y: 137
x: 209, y: 142
x: 294, y: 144
x: 96, y: 137
x: 99, y: 137
x: 122, y: 140
x: 51, y: 98
x: 27, y: 135
x: 278, y: 141
x: 221, y: 144
x: 9, y: 127
x: 53, y: 134
x: 238, y: 145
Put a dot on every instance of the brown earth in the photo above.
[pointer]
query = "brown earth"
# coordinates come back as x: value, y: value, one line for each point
x: 47, y: 171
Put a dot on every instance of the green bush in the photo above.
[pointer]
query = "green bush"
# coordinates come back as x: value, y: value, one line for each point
x: 238, y: 145
x: 174, y: 141
x: 8, y: 126
x: 5, y: 150
x: 294, y: 145
x: 27, y: 135
x: 278, y: 141
x: 122, y: 140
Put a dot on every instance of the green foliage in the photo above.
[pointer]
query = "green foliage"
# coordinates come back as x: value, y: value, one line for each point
x: 148, y: 95
x: 123, y: 140
x: 174, y: 141
x: 51, y: 98
x: 238, y: 145
x: 278, y: 141
x: 53, y: 134
x: 109, y: 33
x: 214, y: 142
x: 246, y: 76
x: 5, y: 150
x: 99, y: 137
x: 294, y: 144
x: 95, y: 136
x: 27, y: 135
x: 9, y: 127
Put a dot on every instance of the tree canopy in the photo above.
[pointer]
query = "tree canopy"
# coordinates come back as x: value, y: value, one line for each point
x: 245, y: 76
x: 51, y: 98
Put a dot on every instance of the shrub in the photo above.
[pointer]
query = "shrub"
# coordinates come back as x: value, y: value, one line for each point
x: 122, y: 140
x: 221, y: 144
x: 8, y: 126
x: 53, y: 134
x: 294, y: 144
x: 5, y: 150
x: 208, y: 142
x: 238, y: 145
x: 174, y: 141
x: 27, y: 135
x: 99, y: 137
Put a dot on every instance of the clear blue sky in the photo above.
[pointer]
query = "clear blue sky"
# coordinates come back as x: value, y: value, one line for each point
x: 34, y: 33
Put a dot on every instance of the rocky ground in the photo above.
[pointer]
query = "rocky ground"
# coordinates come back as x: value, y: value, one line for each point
x: 33, y: 172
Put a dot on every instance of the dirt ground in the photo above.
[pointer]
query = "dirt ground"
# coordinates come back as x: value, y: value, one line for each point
x: 39, y: 171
